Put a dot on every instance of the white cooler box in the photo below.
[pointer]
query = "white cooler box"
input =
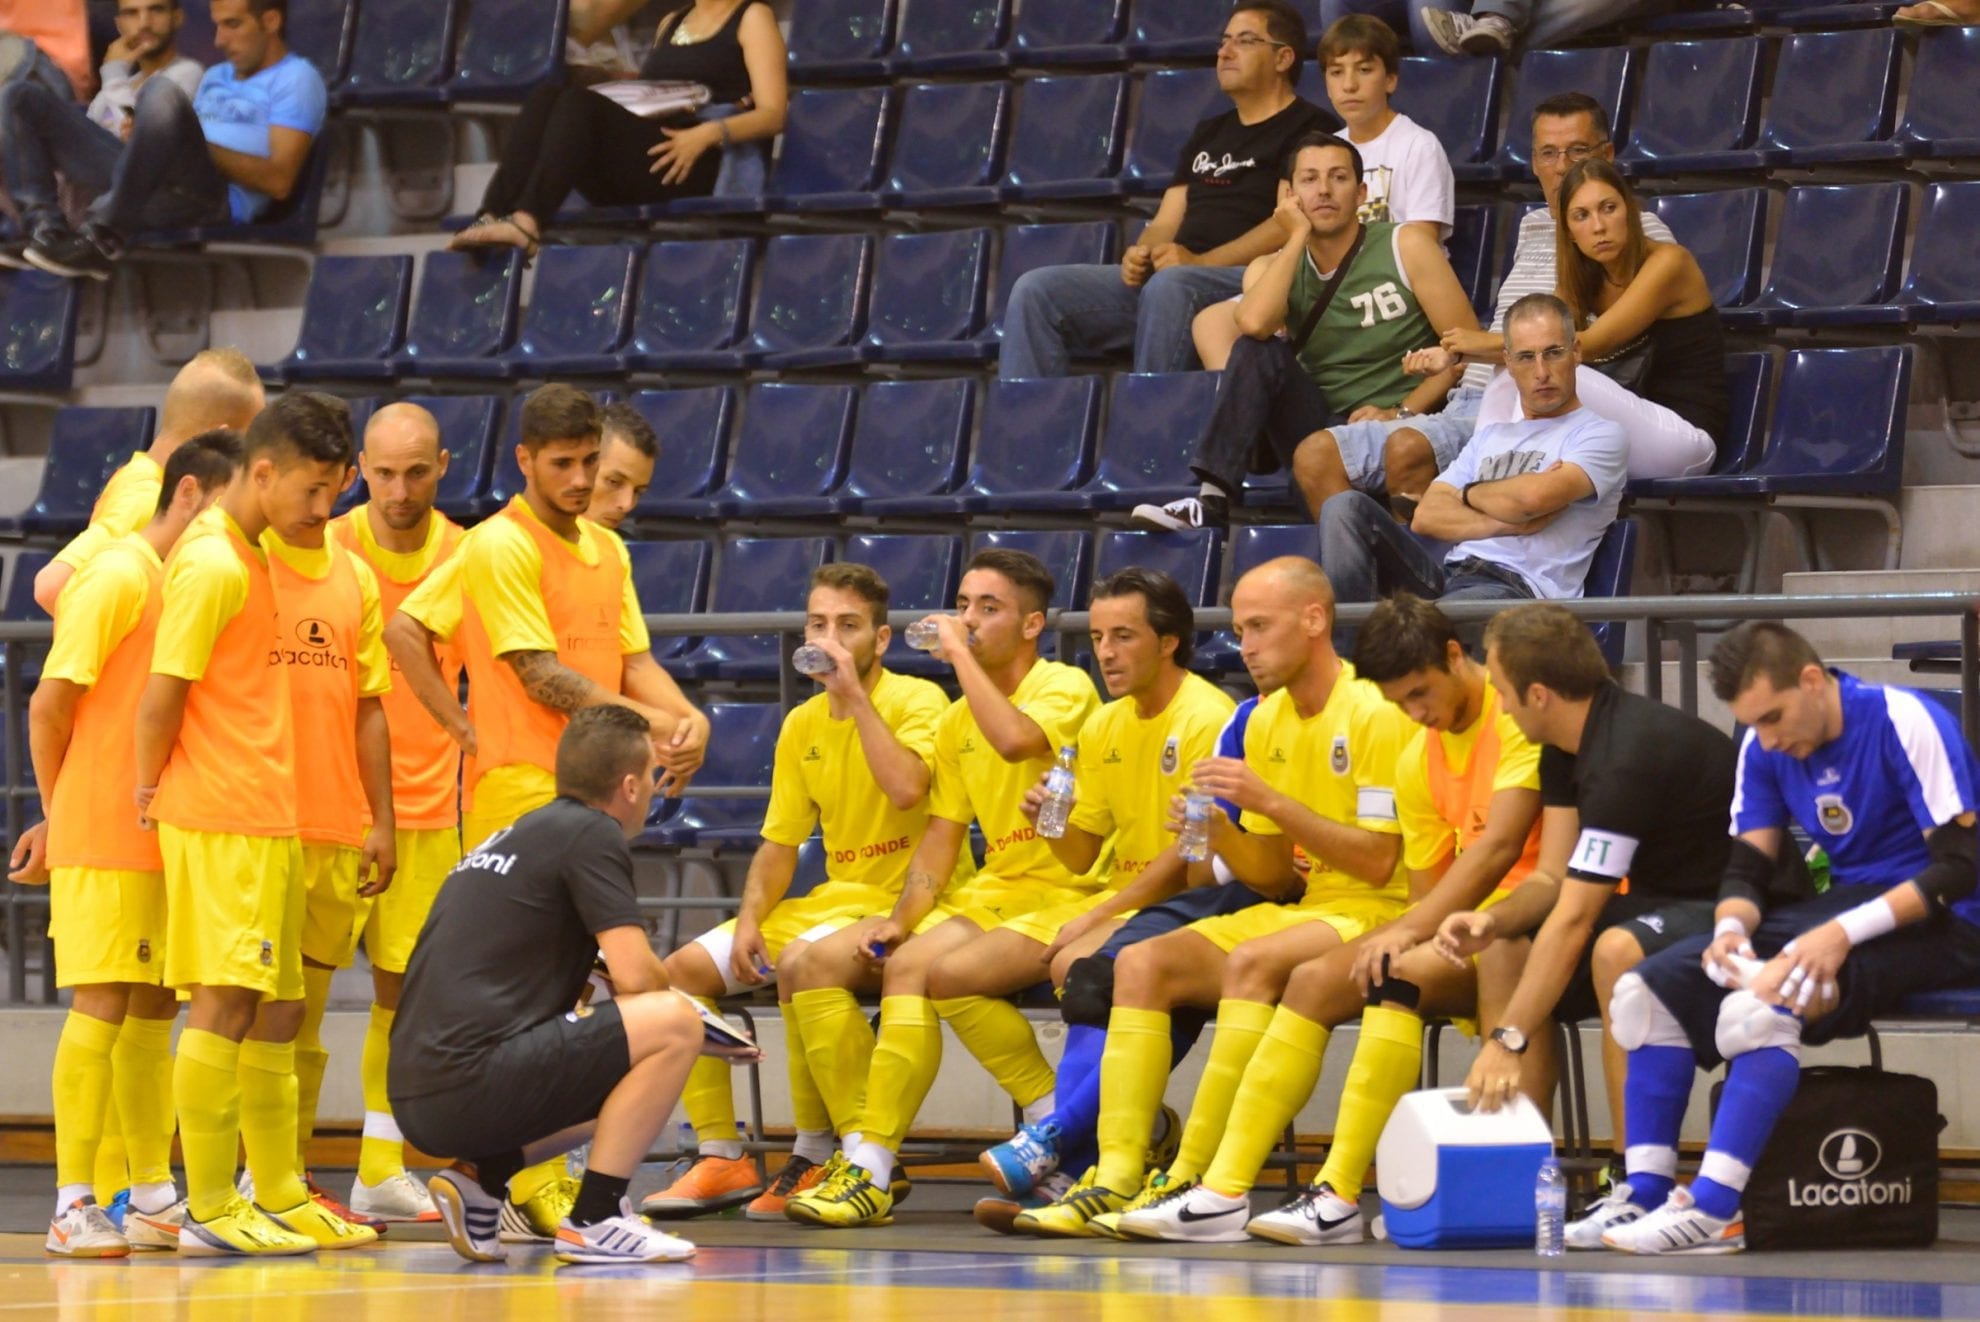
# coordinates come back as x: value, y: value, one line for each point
x: 1454, y: 1179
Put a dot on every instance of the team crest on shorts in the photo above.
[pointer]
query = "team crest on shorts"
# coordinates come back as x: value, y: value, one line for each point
x: 1834, y: 814
x: 1171, y: 755
x: 144, y: 951
x: 1339, y: 757
x: 582, y: 1012
x: 267, y: 953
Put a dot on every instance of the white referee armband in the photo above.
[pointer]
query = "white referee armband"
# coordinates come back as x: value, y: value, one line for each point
x: 1603, y: 854
x: 1375, y: 803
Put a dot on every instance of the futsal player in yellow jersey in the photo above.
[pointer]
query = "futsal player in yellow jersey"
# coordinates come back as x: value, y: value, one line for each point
x: 106, y: 887
x: 1468, y: 798
x: 991, y: 746
x: 217, y: 388
x: 216, y: 770
x: 855, y: 760
x: 1316, y: 787
x: 403, y: 539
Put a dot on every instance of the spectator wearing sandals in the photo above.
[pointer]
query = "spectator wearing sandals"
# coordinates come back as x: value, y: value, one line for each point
x: 571, y: 138
x: 1939, y: 14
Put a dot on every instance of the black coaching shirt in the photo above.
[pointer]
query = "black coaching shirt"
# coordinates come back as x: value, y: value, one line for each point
x: 1232, y: 171
x: 1653, y: 788
x: 510, y: 941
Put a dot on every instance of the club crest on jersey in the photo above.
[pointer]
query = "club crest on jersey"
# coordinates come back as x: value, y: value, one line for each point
x: 1171, y: 756
x: 1338, y: 758
x: 267, y: 954
x: 1834, y: 814
x: 144, y: 951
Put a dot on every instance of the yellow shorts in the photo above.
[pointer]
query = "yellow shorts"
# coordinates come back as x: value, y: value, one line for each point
x: 425, y: 859
x: 503, y: 795
x: 108, y: 925
x: 334, y: 914
x: 1042, y: 925
x: 1349, y: 916
x: 233, y: 911
x: 830, y: 908
x: 990, y: 903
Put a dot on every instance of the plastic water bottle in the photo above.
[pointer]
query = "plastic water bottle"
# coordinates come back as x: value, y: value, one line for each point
x: 1194, y: 842
x: 924, y: 635
x: 1057, y: 808
x: 811, y: 660
x: 1549, y: 1209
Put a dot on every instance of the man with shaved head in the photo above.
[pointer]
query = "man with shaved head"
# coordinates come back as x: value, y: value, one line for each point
x: 1317, y: 831
x: 218, y: 388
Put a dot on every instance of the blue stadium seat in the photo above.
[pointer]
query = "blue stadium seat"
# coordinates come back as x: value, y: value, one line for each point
x: 1474, y: 252
x: 1750, y: 384
x: 1727, y: 232
x: 1944, y: 285
x: 1046, y: 162
x: 1943, y: 126
x: 466, y: 308
x: 949, y: 151
x: 1251, y: 546
x: 1607, y: 73
x: 1070, y: 32
x: 961, y: 36
x: 791, y: 452
x: 840, y: 39
x: 1154, y: 422
x: 693, y: 301
x: 507, y: 49
x: 85, y: 447
x: 1173, y: 102
x: 1193, y: 559
x: 1067, y: 555
x: 1834, y: 100
x: 922, y: 573
x: 809, y: 874
x: 1699, y: 107
x: 289, y: 223
x: 318, y: 30
x: 693, y: 427
x: 37, y: 330
x: 928, y: 290
x: 354, y: 320
x: 812, y: 295
x: 20, y: 606
x: 400, y: 55
x: 834, y: 146
x: 1609, y: 575
x: 1027, y: 248
x: 1164, y: 30
x: 1036, y: 436
x: 1836, y: 258
x: 911, y: 443
x: 742, y: 747
x: 580, y: 313
x: 467, y: 430
x: 671, y: 578
x: 754, y: 574
x: 1458, y: 100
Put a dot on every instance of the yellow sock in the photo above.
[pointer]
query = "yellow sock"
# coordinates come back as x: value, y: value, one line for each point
x: 710, y: 1103
x: 1134, y: 1070
x: 1277, y: 1082
x: 142, y: 1081
x: 906, y: 1056
x: 808, y: 1114
x: 268, y: 1123
x: 838, y: 1051
x: 81, y: 1086
x: 113, y: 1164
x: 207, y: 1092
x: 530, y: 1181
x: 382, y: 1153
x: 998, y: 1035
x: 1386, y: 1065
x: 311, y: 1058
x: 1240, y: 1024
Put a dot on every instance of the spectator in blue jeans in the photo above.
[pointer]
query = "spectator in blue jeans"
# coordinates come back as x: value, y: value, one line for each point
x: 1213, y: 220
x: 227, y: 153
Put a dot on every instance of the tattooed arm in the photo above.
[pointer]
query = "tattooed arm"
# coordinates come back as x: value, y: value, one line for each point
x: 555, y: 685
x: 928, y: 873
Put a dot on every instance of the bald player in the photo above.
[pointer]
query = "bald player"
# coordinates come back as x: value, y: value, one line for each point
x: 217, y: 388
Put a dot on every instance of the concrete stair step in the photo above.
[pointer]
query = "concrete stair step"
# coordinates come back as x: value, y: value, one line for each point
x: 1938, y: 527
x: 1874, y: 636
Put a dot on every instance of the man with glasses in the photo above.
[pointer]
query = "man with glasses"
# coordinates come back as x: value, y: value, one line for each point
x: 1214, y: 219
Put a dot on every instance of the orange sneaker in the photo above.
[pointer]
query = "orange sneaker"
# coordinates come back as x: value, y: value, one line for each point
x: 710, y: 1185
x: 798, y: 1175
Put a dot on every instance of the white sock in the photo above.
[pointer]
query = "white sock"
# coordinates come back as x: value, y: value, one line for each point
x: 68, y: 1193
x: 875, y: 1160
x: 730, y: 1150
x: 1210, y: 491
x: 813, y: 1145
x: 151, y: 1199
x: 1041, y: 1108
x: 847, y: 1142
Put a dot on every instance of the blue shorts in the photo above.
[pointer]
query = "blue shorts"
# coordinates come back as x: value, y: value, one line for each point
x: 1361, y: 443
x: 1179, y: 911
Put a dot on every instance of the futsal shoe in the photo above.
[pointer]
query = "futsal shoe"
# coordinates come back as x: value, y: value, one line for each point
x: 846, y: 1196
x: 1612, y: 1209
x: 536, y: 1218
x: 84, y: 1230
x: 312, y: 1220
x: 1679, y: 1227
x: 1162, y: 1151
x: 998, y: 1212
x: 1313, y: 1216
x: 624, y: 1238
x: 1196, y: 1215
x: 330, y: 1203
x: 710, y: 1184
x: 1019, y: 1163
x: 472, y: 1216
x: 155, y: 1230
x: 118, y: 1208
x: 240, y: 1229
x: 395, y: 1198
x: 799, y: 1175
x: 1158, y: 1187
x: 1071, y: 1216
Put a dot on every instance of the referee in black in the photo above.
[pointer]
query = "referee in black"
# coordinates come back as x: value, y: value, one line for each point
x: 490, y: 1062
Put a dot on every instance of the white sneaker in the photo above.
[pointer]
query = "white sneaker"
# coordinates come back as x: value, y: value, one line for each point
x: 1612, y: 1209
x: 1679, y: 1227
x: 1461, y: 34
x: 1315, y: 1215
x: 155, y: 1230
x: 1201, y: 1216
x: 85, y: 1230
x: 1185, y: 515
x: 395, y: 1198
x: 623, y: 1238
x: 472, y: 1216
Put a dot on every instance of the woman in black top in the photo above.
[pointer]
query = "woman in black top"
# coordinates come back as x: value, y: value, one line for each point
x: 568, y: 137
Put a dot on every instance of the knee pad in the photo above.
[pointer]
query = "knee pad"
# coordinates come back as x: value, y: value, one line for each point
x: 1399, y: 992
x: 1088, y: 996
x: 1747, y: 1023
x: 1638, y: 1019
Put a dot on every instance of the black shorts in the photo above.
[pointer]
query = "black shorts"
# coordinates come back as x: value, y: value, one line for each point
x: 1657, y: 924
x: 1942, y: 951
x: 537, y: 1083
x: 1179, y: 911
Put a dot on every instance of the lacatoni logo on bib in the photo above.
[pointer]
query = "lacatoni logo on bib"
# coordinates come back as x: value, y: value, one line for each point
x: 1849, y: 1157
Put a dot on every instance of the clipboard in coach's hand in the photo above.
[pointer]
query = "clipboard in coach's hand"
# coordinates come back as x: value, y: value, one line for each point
x: 723, y: 1039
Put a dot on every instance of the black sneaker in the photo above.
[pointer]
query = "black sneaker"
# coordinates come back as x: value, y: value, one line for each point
x: 13, y: 255
x: 1185, y: 515
x: 77, y: 256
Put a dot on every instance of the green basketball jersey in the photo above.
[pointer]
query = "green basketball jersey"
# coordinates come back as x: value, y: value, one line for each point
x: 1355, y: 353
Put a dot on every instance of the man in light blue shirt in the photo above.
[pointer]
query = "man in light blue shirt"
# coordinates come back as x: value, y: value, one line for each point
x: 225, y: 154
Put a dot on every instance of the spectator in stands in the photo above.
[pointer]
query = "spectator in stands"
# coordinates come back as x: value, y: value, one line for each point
x: 1408, y: 175
x: 1352, y: 299
x: 1939, y: 14
x: 1526, y: 503
x: 58, y: 30
x: 229, y: 152
x: 1214, y: 219
x: 570, y: 138
x: 1651, y: 338
x: 1494, y: 27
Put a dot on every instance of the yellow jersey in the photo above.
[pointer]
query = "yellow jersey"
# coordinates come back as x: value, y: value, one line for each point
x: 128, y: 501
x: 1130, y: 766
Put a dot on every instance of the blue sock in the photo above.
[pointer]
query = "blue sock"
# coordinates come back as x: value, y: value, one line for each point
x: 1759, y: 1086
x: 1654, y: 1095
x: 1078, y: 1086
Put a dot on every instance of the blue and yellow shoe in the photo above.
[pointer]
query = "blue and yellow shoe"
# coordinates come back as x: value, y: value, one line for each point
x: 846, y: 1196
x: 1020, y: 1162
x: 1072, y: 1216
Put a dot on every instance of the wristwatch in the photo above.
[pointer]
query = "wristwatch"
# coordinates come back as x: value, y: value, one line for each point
x: 1511, y: 1039
x: 1403, y: 411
